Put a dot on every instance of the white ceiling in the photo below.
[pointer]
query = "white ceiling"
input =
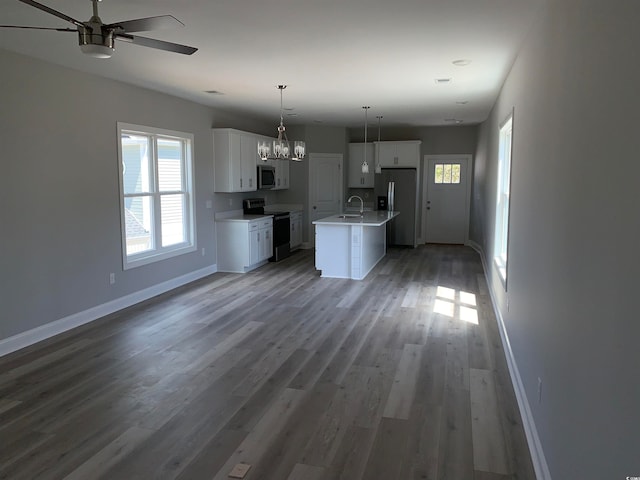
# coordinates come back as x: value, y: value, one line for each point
x: 334, y: 55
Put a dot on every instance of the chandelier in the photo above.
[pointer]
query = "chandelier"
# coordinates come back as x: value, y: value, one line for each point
x: 281, y: 149
x: 365, y: 165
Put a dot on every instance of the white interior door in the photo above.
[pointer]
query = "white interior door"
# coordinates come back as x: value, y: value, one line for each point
x: 325, y: 187
x: 447, y: 196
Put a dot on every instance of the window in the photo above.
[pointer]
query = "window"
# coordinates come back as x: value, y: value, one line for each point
x: 502, y: 198
x: 156, y: 194
x: 447, y: 173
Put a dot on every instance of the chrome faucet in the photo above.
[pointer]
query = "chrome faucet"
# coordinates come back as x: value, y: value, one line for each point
x: 361, y: 203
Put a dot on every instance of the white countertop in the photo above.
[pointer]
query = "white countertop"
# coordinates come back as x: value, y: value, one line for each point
x: 241, y: 217
x: 369, y: 219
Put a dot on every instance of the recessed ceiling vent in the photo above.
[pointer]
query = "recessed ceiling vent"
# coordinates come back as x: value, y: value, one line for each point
x: 214, y: 92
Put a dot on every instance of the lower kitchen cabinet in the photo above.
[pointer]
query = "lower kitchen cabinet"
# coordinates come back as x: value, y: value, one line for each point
x: 295, y: 239
x: 243, y: 244
x: 260, y: 241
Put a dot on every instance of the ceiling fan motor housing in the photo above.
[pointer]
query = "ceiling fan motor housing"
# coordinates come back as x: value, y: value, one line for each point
x: 95, y: 40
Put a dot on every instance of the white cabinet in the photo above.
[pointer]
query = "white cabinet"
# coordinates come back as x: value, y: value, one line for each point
x: 282, y: 174
x: 235, y: 154
x: 243, y: 246
x: 295, y: 238
x: 398, y: 154
x: 357, y: 179
x: 260, y: 241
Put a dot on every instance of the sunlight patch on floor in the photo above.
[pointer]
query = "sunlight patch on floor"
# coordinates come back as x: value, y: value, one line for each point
x: 456, y: 304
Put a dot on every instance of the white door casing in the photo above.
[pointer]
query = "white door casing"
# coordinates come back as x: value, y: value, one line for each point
x: 446, y: 205
x: 325, y: 188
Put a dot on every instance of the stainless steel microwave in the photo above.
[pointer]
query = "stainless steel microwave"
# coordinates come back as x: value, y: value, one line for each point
x: 266, y: 177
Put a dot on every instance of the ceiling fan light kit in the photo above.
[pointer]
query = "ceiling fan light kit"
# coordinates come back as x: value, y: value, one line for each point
x: 97, y: 39
x: 281, y: 149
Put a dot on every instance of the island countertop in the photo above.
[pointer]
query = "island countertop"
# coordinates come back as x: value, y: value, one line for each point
x: 369, y: 218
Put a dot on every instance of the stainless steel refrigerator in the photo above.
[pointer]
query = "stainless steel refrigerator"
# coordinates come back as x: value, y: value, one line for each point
x: 400, y: 186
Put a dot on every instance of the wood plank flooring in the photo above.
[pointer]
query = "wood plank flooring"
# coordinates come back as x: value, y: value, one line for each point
x: 399, y: 376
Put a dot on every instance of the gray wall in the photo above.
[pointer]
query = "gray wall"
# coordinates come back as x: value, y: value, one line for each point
x: 59, y: 201
x: 574, y: 225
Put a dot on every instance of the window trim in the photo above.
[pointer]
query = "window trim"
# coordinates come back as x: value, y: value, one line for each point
x: 502, y: 224
x: 159, y: 253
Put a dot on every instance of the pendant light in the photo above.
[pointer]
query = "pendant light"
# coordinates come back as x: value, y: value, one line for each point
x: 378, y: 166
x: 365, y: 165
x: 281, y: 148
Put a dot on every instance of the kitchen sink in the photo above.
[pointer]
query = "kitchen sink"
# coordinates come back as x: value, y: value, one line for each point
x: 350, y: 216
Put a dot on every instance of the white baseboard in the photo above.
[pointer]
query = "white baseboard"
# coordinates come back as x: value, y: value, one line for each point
x: 61, y: 325
x: 535, y: 447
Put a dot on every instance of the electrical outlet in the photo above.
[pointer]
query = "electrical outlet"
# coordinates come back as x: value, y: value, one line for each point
x: 203, y: 252
x: 539, y: 390
x: 112, y: 278
x: 209, y: 204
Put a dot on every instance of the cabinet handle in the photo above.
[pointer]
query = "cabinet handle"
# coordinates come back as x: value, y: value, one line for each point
x: 395, y: 160
x: 240, y: 183
x: 258, y: 236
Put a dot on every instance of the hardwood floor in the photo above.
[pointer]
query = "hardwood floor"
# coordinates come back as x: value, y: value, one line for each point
x: 399, y: 376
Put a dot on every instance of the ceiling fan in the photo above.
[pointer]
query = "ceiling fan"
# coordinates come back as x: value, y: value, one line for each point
x: 97, y: 39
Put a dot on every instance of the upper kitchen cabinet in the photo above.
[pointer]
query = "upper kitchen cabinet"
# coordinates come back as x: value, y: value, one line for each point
x: 398, y: 154
x: 235, y: 155
x: 357, y: 179
x: 282, y: 174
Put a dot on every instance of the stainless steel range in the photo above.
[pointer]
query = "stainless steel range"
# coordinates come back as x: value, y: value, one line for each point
x: 281, y: 227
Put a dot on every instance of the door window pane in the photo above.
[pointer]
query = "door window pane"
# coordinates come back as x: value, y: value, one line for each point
x: 446, y: 173
x: 446, y: 177
x: 438, y: 174
x: 455, y: 173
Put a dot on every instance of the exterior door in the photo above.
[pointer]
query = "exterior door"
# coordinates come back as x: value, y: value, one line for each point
x: 447, y: 202
x: 325, y: 188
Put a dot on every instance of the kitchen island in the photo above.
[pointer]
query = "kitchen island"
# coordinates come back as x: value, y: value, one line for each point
x: 350, y: 245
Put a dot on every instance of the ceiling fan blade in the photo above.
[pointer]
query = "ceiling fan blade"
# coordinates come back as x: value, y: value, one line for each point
x: 147, y: 24
x: 58, y: 14
x: 41, y: 28
x: 159, y: 44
